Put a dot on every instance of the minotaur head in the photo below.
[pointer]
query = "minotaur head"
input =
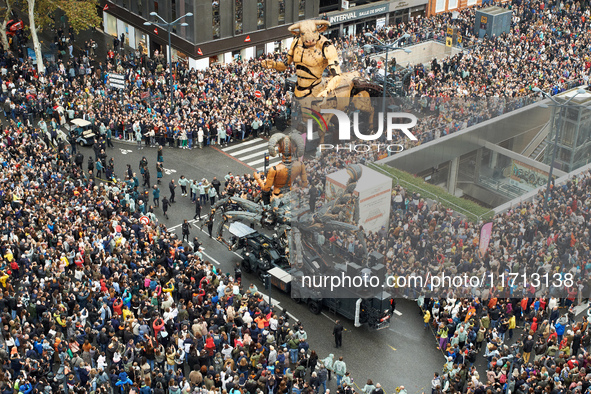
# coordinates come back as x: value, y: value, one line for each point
x: 309, y: 31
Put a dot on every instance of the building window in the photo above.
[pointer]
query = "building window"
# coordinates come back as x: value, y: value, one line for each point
x: 155, y: 6
x: 260, y: 14
x: 141, y: 42
x: 238, y: 17
x: 452, y: 4
x: 216, y: 18
x: 189, y: 31
x: 302, y: 10
x: 173, y: 12
x: 281, y: 19
x: 471, y: 2
x: 111, y: 27
x: 440, y: 6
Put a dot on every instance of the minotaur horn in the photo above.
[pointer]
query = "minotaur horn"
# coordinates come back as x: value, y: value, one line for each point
x: 273, y: 141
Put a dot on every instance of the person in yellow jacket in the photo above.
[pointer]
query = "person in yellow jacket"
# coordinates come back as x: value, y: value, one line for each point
x: 427, y: 318
x: 3, y: 278
x: 169, y: 286
x: 512, y: 326
x: 126, y: 313
x: 59, y: 320
x: 9, y: 256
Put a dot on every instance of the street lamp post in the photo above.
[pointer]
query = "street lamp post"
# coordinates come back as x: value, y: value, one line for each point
x: 560, y: 106
x: 268, y: 286
x: 388, y: 49
x: 511, y: 357
x: 168, y: 26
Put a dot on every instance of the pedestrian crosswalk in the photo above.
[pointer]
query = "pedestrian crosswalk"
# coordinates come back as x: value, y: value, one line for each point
x: 252, y: 153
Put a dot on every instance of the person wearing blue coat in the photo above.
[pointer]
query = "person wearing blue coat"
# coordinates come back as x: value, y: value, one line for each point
x: 560, y: 327
x: 123, y: 380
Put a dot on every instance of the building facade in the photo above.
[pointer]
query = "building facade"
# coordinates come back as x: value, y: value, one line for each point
x: 221, y: 31
x: 352, y: 21
x: 439, y: 6
x: 218, y: 31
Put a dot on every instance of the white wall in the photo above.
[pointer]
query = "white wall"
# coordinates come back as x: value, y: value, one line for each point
x: 200, y: 64
x: 109, y: 24
x: 228, y: 57
x: 269, y: 47
x: 120, y: 28
x: 247, y: 53
x: 131, y: 34
x: 286, y: 43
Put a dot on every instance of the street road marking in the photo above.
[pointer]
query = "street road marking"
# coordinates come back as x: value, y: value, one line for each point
x: 262, y: 168
x: 397, y: 313
x: 328, y: 317
x: 211, y: 258
x: 261, y: 160
x: 242, y: 144
x: 580, y: 308
x: 168, y: 171
x: 257, y: 149
x: 124, y: 151
x: 173, y: 228
x: 190, y: 222
x: 334, y: 321
x: 256, y: 154
x: 392, y: 347
x: 262, y: 145
x: 276, y: 303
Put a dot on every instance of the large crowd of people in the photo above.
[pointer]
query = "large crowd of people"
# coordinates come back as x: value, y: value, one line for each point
x: 93, y: 300
x: 545, y: 49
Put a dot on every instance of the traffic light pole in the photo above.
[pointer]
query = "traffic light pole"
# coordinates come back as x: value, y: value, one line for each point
x: 266, y: 163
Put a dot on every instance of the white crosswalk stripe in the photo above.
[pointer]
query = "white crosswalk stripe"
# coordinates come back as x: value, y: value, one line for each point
x: 252, y: 153
x: 243, y: 144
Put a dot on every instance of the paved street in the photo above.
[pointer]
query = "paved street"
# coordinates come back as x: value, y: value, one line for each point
x: 404, y: 354
x: 251, y: 153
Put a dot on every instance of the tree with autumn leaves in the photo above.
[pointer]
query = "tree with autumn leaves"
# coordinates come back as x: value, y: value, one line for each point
x: 81, y: 15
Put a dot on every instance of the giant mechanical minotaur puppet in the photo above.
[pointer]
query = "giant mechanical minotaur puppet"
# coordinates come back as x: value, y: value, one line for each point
x: 312, y: 53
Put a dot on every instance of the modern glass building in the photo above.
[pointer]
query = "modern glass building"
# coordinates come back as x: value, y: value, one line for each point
x: 572, y: 124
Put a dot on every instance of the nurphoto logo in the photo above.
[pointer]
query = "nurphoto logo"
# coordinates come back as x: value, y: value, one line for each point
x: 394, y: 121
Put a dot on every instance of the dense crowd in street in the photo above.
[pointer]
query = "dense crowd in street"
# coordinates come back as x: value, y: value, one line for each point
x: 529, y: 344
x: 94, y: 301
x: 546, y: 49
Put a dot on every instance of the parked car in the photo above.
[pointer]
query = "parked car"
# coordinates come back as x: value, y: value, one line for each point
x: 82, y: 130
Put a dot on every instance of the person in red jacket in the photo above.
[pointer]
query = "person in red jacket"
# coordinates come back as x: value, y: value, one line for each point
x: 104, y: 285
x: 158, y: 325
x: 210, y: 345
x: 117, y: 305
